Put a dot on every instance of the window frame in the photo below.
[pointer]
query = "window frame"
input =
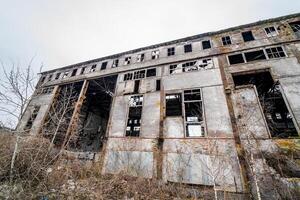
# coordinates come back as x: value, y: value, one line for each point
x: 171, y: 51
x: 226, y: 41
x: 208, y: 43
x: 185, y: 48
x: 250, y: 31
x: 271, y: 34
x: 128, y: 112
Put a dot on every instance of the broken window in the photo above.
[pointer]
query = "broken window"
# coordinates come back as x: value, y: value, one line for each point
x: 193, y: 113
x: 171, y: 51
x: 43, y: 79
x: 140, y: 57
x: 275, y: 52
x: 158, y: 85
x: 128, y: 76
x: 103, y: 65
x: 127, y: 60
x: 278, y: 118
x: 226, y: 40
x: 173, y: 69
x: 139, y: 74
x: 295, y: 26
x: 271, y: 31
x: 206, y: 44
x: 247, y: 36
x: 115, y: 63
x: 134, y: 116
x: 32, y: 117
x: 236, y: 59
x: 93, y: 68
x: 47, y: 90
x: 82, y: 70
x: 65, y: 75
x: 188, y: 48
x: 151, y: 72
x: 57, y: 75
x: 189, y: 66
x: 173, y: 105
x: 74, y: 72
x: 50, y: 77
x: 255, y: 55
x: 155, y: 54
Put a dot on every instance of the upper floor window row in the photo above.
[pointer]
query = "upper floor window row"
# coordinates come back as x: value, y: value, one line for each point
x: 261, y: 54
x: 195, y: 65
x: 140, y: 74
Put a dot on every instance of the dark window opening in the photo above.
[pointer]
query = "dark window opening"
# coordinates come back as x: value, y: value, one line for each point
x: 158, y: 82
x: 32, y: 117
x: 115, y: 63
x: 171, y: 51
x: 275, y: 52
x: 103, y: 65
x: 236, y: 59
x: 151, y: 72
x: 134, y: 116
x: 226, y: 40
x: 172, y: 69
x: 271, y: 31
x: 136, y: 86
x: 173, y: 105
x: 247, y: 36
x: 82, y: 70
x: 74, y: 72
x: 188, y: 48
x: 139, y: 74
x: 206, y: 44
x: 50, y: 77
x: 128, y: 76
x: 189, y: 66
x: 140, y: 57
x: 43, y: 79
x: 93, y: 68
x: 295, y: 26
x: 57, y: 76
x: 278, y: 118
x: 255, y: 55
x: 127, y: 60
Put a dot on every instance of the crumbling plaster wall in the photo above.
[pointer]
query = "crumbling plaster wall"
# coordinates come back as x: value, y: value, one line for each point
x: 44, y: 101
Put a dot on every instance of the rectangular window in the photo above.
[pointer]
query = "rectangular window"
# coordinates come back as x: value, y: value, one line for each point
x: 236, y: 59
x: 57, y: 75
x: 128, y: 76
x: 173, y: 69
x: 140, y: 57
x: 139, y: 74
x: 158, y: 85
x: 127, y: 60
x: 295, y: 26
x: 74, y: 72
x: 151, y: 72
x: 134, y: 116
x: 43, y: 79
x: 82, y: 70
x: 255, y: 55
x: 173, y: 105
x: 155, y: 54
x: 275, y: 52
x: 50, y: 77
x: 193, y: 113
x: 271, y: 31
x: 115, y: 63
x: 171, y: 51
x: 226, y: 40
x: 247, y: 36
x: 32, y: 117
x: 93, y: 68
x: 188, y: 48
x: 136, y: 86
x: 206, y: 44
x: 103, y: 66
x: 189, y: 66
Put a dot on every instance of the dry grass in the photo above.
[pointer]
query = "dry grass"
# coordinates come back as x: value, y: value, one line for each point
x: 37, y: 174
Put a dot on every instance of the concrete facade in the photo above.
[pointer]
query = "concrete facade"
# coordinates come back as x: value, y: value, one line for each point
x: 209, y: 138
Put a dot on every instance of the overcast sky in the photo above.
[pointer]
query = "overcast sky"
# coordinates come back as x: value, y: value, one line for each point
x: 63, y: 32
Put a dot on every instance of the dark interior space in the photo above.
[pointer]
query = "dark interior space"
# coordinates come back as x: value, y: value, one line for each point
x: 278, y: 118
x: 94, y: 115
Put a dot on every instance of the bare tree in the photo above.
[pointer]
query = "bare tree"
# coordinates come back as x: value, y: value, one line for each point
x: 16, y: 88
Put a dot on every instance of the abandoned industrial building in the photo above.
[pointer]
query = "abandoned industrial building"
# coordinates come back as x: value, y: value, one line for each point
x: 203, y: 110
